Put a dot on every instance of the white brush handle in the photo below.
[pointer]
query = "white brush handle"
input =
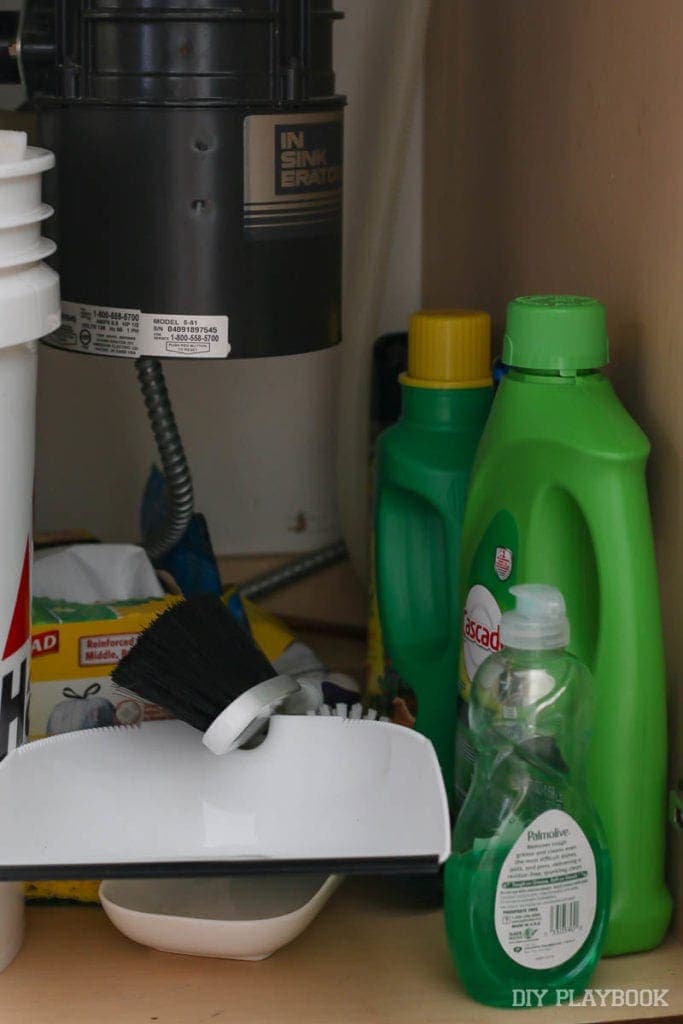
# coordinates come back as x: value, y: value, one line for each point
x: 245, y: 716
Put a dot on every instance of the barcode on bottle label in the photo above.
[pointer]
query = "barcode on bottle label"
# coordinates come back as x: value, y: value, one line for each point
x: 546, y: 895
x: 564, y: 917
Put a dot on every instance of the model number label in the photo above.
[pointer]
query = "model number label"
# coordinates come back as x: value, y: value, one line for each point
x: 106, y: 331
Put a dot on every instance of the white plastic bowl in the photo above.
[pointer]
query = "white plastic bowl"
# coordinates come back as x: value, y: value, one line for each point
x: 240, y: 918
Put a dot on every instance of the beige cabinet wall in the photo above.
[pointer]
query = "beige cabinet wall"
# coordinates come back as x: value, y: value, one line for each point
x: 554, y: 162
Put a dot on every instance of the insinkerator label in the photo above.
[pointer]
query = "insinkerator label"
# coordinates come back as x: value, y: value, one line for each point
x: 547, y: 893
x: 107, y: 331
x: 292, y: 175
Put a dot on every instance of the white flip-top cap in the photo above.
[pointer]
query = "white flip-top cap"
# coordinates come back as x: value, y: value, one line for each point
x: 539, y: 622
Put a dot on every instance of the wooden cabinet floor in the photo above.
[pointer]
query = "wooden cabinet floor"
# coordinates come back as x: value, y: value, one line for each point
x: 373, y: 956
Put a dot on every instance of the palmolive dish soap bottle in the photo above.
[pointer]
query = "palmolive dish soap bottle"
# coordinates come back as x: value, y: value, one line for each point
x: 558, y: 495
x: 422, y: 470
x: 527, y: 884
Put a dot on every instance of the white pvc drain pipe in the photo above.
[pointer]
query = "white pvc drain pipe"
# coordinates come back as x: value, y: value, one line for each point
x: 29, y: 308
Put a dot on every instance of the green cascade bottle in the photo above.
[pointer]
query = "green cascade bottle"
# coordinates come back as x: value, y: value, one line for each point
x: 558, y: 496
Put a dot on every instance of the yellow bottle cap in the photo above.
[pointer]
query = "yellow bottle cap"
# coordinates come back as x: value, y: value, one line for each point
x: 449, y: 348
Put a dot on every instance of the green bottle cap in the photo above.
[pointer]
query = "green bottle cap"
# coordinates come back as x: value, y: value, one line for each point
x: 556, y: 332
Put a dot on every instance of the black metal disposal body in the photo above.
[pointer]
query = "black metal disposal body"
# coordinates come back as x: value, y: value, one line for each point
x: 198, y: 185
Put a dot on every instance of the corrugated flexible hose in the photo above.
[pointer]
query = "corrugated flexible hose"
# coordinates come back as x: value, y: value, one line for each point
x: 180, y: 494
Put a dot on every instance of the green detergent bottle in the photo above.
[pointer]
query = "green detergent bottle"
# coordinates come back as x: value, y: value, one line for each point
x: 423, y: 466
x: 558, y: 496
x: 527, y: 884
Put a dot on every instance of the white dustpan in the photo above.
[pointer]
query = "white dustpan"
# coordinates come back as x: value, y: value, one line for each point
x: 319, y: 794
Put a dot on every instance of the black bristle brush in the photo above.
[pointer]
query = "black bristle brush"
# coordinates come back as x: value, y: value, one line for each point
x: 196, y: 661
